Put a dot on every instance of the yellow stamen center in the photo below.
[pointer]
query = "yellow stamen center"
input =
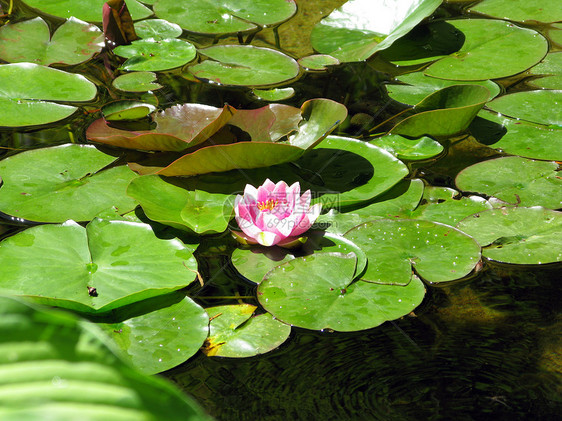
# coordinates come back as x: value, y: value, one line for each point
x: 268, y: 205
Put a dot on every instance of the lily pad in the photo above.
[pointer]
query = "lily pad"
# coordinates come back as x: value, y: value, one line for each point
x: 152, y: 55
x: 57, y: 366
x: 550, y: 72
x: 317, y: 62
x: 104, y: 266
x: 66, y: 182
x: 137, y: 82
x: 517, y: 137
x: 236, y: 332
x: 24, y: 102
x: 542, y: 106
x: 437, y: 252
x: 314, y: 292
x: 168, y: 330
x: 547, y: 11
x: 30, y: 41
x: 88, y: 10
x: 492, y: 49
x: 445, y: 112
x: 407, y: 149
x: 245, y: 65
x: 515, y: 180
x: 359, y: 28
x: 419, y: 86
x: 528, y: 236
x: 157, y: 29
x: 225, y: 16
x: 275, y: 94
x: 126, y: 110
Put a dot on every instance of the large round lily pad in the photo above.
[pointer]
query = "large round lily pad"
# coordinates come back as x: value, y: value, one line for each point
x: 63, y: 182
x: 152, y: 55
x: 546, y: 11
x: 314, y: 292
x: 245, y: 65
x: 99, y: 268
x: 515, y: 180
x: 542, y: 106
x: 517, y: 235
x: 438, y: 252
x: 30, y: 41
x: 236, y: 332
x: 88, y: 10
x: 27, y: 91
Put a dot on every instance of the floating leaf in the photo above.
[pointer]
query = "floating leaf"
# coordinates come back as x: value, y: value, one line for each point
x: 550, y: 72
x: 162, y: 332
x: 547, y: 11
x: 245, y: 65
x: 314, y: 292
x: 407, y: 149
x: 530, y: 106
x: 351, y: 34
x: 515, y: 180
x: 153, y: 55
x: 56, y: 366
x: 492, y: 49
x: 88, y: 10
x: 236, y: 332
x: 73, y: 42
x: 525, y: 236
x: 437, y: 252
x: 226, y: 16
x: 317, y: 62
x: 157, y: 29
x: 24, y: 102
x: 445, y: 112
x: 126, y: 110
x: 275, y: 94
x: 104, y: 266
x: 63, y: 182
x: 137, y: 82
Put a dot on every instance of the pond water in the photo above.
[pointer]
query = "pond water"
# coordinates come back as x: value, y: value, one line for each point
x: 488, y: 347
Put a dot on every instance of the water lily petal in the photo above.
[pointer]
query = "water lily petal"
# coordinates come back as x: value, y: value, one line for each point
x: 268, y: 238
x: 309, y: 217
x: 250, y: 194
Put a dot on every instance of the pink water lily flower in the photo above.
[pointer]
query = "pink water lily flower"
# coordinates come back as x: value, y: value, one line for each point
x: 274, y: 213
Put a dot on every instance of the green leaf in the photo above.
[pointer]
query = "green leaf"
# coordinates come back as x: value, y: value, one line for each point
x: 25, y: 102
x: 73, y: 42
x: 162, y: 332
x: 63, y: 182
x: 55, y: 366
x: 317, y: 62
x: 314, y: 292
x: 225, y: 16
x: 152, y: 55
x: 492, y: 49
x: 437, y: 252
x: 550, y: 72
x: 408, y: 149
x: 126, y: 109
x: 546, y: 11
x: 157, y: 29
x: 60, y: 264
x: 445, y: 112
x: 245, y: 65
x: 275, y: 94
x: 515, y: 180
x: 534, y: 106
x: 527, y: 236
x: 350, y: 34
x: 136, y: 82
x: 236, y: 332
x: 88, y: 10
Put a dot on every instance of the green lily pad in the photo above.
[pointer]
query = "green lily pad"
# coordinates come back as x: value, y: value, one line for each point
x: 59, y: 367
x: 314, y: 292
x: 438, y: 252
x: 492, y: 49
x: 517, y: 137
x: 351, y: 34
x: 546, y: 11
x: 30, y: 41
x: 317, y: 62
x: 254, y: 262
x: 126, y: 110
x: 63, y: 182
x: 182, y: 207
x: 157, y: 29
x: 445, y: 112
x: 419, y: 86
x: 275, y: 94
x: 168, y: 330
x: 226, y: 16
x: 137, y: 82
x: 88, y: 10
x: 407, y: 149
x: 24, y: 102
x: 550, y: 72
x: 542, y: 106
x: 245, y: 65
x: 528, y: 236
x: 104, y: 266
x: 515, y: 180
x: 152, y: 55
x: 235, y: 332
